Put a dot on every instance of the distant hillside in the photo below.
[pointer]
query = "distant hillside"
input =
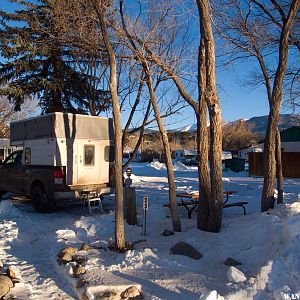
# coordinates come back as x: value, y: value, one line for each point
x: 259, y: 124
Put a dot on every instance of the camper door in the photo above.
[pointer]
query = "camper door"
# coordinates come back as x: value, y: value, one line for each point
x: 89, y: 162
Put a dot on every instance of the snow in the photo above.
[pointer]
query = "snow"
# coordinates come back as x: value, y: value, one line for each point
x: 235, y: 275
x: 267, y: 245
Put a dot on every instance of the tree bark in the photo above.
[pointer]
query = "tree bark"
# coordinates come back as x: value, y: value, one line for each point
x: 119, y: 202
x: 202, y: 143
x: 269, y: 159
x: 279, y: 168
x: 267, y: 200
x: 211, y: 97
x: 171, y: 180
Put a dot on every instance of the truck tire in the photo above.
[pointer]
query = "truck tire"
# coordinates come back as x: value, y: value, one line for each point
x: 40, y: 199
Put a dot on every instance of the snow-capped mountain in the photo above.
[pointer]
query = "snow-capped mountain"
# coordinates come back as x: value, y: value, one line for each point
x: 256, y: 124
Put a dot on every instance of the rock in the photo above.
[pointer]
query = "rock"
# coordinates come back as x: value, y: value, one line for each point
x: 231, y: 262
x: 1, y: 264
x: 185, y: 249
x: 78, y: 270
x: 81, y: 283
x: 67, y: 257
x: 16, y: 280
x: 211, y: 295
x: 235, y: 275
x: 13, y: 273
x: 85, y: 247
x: 80, y: 259
x: 106, y: 296
x: 131, y: 293
x: 70, y: 250
x: 5, y: 285
x: 168, y: 232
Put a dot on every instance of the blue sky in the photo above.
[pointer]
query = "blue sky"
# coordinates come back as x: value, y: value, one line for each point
x: 237, y: 100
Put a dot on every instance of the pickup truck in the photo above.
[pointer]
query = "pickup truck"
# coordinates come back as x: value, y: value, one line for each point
x: 44, y: 184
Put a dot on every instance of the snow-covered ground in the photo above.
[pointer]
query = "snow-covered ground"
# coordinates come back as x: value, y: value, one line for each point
x: 266, y: 244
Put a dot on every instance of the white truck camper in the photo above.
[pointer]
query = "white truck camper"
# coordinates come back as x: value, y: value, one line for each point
x: 81, y: 145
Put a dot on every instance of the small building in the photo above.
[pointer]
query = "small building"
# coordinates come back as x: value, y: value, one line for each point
x: 6, y: 149
x: 184, y: 154
x: 244, y: 153
x: 290, y: 139
x: 128, y: 153
x: 226, y: 155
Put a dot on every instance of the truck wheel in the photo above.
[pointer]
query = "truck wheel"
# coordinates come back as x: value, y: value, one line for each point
x: 40, y: 200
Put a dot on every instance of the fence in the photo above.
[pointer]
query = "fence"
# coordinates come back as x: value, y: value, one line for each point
x: 290, y: 164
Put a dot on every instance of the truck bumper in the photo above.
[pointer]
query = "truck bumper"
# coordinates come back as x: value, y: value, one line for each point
x: 65, y: 195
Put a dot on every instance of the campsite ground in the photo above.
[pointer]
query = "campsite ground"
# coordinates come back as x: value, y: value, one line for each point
x: 267, y: 245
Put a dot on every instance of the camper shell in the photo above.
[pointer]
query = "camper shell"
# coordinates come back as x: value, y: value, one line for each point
x: 66, y: 154
x: 79, y: 143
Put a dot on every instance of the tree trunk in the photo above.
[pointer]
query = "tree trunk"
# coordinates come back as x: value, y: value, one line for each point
x: 202, y: 143
x: 211, y: 97
x: 279, y: 168
x: 267, y: 200
x: 216, y: 201
x: 269, y: 160
x: 119, y: 202
x: 171, y: 180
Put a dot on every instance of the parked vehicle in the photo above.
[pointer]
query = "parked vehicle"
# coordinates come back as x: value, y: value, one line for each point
x: 64, y: 156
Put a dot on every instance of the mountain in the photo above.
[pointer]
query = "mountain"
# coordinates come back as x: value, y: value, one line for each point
x: 256, y: 124
x: 259, y: 124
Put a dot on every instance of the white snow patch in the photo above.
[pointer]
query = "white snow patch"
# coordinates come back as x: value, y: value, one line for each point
x: 157, y: 165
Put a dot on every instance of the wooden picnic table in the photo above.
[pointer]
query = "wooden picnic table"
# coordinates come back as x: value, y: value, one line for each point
x: 190, y: 201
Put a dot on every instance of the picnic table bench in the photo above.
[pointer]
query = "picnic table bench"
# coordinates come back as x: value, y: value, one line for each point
x: 190, y: 202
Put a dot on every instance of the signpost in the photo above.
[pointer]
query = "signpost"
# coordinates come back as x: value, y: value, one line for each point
x: 145, y: 208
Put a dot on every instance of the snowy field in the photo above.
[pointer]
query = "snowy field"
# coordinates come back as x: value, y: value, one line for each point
x: 266, y: 244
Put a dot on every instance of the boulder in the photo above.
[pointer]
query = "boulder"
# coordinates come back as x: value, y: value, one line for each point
x: 1, y: 264
x: 85, y: 247
x: 185, y: 249
x: 81, y: 283
x: 106, y: 296
x: 13, y: 273
x: 67, y: 257
x: 168, y: 232
x: 235, y: 275
x: 80, y: 259
x: 78, y: 270
x: 5, y: 285
x: 211, y: 295
x: 231, y: 262
x: 70, y: 250
x: 131, y: 293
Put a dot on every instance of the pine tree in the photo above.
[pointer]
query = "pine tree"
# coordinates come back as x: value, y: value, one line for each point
x: 38, y: 62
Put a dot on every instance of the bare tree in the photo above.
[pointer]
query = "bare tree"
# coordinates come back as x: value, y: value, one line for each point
x: 8, y: 114
x: 237, y: 136
x: 100, y: 8
x: 140, y: 55
x: 246, y: 25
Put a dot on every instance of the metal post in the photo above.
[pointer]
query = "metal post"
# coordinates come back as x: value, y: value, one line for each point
x: 145, y: 208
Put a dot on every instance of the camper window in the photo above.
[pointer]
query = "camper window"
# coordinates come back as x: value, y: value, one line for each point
x: 27, y: 155
x: 89, y: 154
x: 109, y: 153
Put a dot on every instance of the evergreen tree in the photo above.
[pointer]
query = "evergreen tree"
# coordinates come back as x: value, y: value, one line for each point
x: 38, y: 62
